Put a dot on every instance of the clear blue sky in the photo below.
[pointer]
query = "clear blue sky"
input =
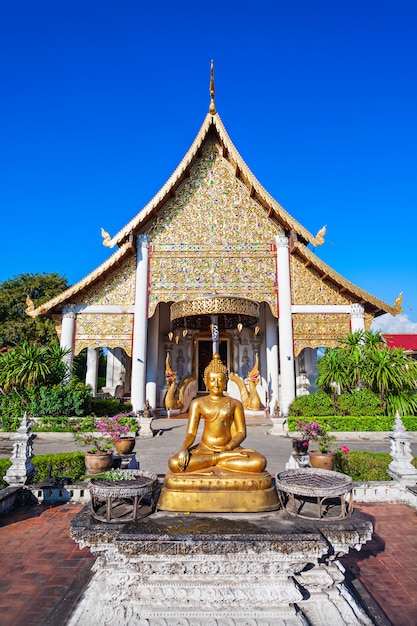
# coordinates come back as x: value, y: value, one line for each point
x: 100, y: 100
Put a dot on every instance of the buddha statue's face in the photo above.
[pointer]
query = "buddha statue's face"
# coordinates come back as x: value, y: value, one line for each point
x: 216, y: 383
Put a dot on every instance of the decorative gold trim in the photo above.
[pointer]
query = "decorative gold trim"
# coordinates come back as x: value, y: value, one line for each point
x: 214, y: 305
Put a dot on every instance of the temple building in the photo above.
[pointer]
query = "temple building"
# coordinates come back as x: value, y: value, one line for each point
x: 211, y: 264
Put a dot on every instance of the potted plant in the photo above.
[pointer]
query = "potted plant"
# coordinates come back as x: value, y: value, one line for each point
x: 99, y: 456
x: 325, y: 456
x: 119, y: 428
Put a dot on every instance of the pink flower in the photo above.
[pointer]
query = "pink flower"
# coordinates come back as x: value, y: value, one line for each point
x: 344, y: 449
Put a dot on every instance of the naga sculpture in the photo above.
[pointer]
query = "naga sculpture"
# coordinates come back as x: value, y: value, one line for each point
x: 174, y: 397
x: 250, y: 398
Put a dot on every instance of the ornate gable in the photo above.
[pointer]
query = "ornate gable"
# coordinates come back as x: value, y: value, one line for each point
x: 212, y: 237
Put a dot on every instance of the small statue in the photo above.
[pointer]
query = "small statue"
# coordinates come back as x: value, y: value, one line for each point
x: 147, y: 410
x: 224, y: 430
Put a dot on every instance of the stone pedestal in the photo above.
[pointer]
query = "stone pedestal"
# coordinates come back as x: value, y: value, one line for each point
x: 218, y: 490
x: 279, y: 426
x: 145, y: 429
x: 219, y: 569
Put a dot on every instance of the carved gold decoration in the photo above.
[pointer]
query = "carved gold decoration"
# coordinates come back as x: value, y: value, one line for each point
x: 320, y: 236
x: 309, y: 288
x: 118, y: 287
x: 106, y: 239
x: 321, y: 329
x: 214, y: 305
x: 30, y: 305
x: 104, y: 330
x: 398, y: 305
x: 188, y: 258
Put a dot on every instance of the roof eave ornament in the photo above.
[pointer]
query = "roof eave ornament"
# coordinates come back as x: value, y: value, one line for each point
x: 397, y: 308
x: 212, y: 109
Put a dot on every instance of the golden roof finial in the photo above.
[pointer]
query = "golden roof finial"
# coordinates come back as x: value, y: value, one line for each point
x: 398, y: 304
x: 30, y: 305
x: 212, y: 109
x: 320, y: 236
x: 106, y: 237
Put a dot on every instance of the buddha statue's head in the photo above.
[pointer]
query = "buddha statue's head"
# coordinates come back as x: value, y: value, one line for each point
x: 217, y: 367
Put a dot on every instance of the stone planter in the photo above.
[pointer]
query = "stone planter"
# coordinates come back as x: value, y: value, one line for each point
x: 322, y: 460
x: 97, y: 463
x: 125, y: 445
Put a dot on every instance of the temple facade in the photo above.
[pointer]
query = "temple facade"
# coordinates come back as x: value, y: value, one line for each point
x: 212, y: 263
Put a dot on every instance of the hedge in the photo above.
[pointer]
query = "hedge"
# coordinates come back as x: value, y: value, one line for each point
x: 348, y: 423
x: 60, y: 465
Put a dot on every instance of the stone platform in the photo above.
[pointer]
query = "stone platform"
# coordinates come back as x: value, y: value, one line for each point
x: 219, y: 569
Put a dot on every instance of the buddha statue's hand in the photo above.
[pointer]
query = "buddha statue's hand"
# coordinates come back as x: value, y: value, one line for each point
x: 183, y: 459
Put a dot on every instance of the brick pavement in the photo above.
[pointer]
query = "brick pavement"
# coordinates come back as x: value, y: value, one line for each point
x: 387, y: 565
x: 43, y: 570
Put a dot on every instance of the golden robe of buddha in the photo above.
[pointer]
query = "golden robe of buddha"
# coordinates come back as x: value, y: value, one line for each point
x: 223, y: 432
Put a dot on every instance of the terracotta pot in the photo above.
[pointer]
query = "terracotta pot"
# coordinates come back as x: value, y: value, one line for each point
x: 300, y: 446
x: 97, y: 463
x: 125, y: 445
x: 322, y: 460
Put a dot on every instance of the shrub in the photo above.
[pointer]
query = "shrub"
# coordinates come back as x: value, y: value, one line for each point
x: 358, y: 403
x: 378, y: 423
x: 61, y: 400
x: 100, y: 407
x: 364, y: 466
x: 4, y: 466
x: 61, y: 465
x: 314, y: 405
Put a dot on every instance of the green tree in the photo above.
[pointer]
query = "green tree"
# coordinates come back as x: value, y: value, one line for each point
x: 363, y: 361
x: 29, y: 365
x: 15, y: 325
x: 333, y: 371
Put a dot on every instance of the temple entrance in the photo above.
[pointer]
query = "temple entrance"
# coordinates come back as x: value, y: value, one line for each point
x: 204, y: 356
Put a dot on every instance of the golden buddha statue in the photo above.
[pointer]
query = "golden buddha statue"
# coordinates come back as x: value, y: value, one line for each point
x: 217, y: 474
x: 224, y: 430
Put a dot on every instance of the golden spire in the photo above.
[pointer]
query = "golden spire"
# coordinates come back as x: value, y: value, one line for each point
x: 212, y: 109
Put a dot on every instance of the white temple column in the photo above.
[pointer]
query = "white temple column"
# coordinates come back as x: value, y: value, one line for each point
x: 92, y: 369
x: 272, y: 361
x: 152, y: 365
x: 286, y: 343
x: 68, y: 335
x: 140, y: 325
x: 357, y: 317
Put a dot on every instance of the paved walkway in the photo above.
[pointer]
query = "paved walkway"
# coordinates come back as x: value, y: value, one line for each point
x: 43, y: 570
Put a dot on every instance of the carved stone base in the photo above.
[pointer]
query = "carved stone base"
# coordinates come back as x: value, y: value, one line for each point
x: 217, y: 490
x: 260, y: 569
